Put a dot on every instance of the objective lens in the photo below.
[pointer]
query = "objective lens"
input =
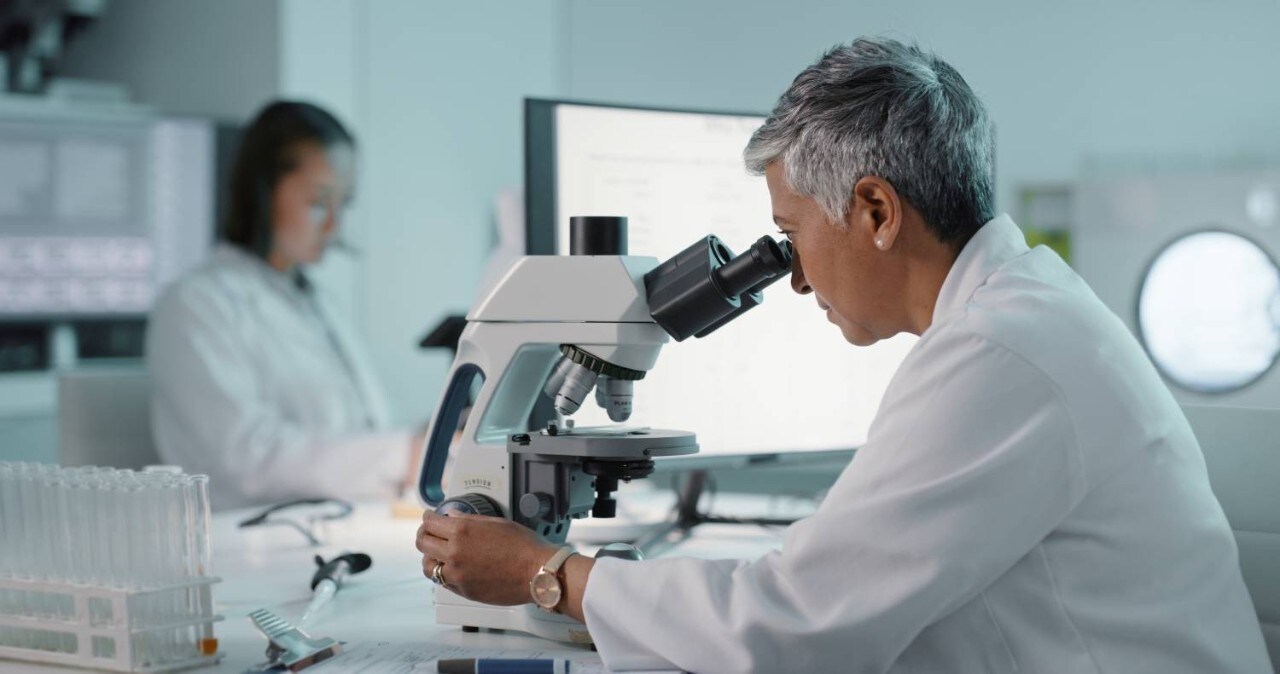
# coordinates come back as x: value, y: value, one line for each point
x: 556, y: 380
x: 578, y: 382
x: 614, y: 396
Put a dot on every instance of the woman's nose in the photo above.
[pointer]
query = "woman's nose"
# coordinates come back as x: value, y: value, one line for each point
x: 798, y: 282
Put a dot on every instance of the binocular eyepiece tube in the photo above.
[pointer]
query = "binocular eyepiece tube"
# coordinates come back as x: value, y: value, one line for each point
x: 705, y: 285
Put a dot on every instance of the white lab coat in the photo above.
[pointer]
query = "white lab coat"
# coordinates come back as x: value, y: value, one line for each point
x: 254, y: 385
x: 1030, y: 498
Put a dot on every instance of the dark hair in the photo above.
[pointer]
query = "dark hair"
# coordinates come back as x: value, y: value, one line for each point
x: 268, y: 151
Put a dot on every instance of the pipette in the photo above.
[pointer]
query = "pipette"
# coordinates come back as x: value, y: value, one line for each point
x: 329, y: 577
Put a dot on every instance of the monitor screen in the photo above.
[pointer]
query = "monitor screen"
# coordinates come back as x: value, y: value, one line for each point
x: 778, y: 380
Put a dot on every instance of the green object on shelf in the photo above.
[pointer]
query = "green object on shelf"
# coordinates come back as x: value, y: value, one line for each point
x: 1057, y: 239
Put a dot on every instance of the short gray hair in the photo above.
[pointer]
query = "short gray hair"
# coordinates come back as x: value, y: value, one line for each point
x: 883, y: 108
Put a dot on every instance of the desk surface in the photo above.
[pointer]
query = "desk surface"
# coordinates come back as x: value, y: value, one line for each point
x: 271, y: 568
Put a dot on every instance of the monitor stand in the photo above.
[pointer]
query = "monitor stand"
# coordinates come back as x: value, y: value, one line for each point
x: 685, y: 516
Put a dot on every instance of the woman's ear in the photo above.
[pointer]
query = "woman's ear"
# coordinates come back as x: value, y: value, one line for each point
x: 875, y: 212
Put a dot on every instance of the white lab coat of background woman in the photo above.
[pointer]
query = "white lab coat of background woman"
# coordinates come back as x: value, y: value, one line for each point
x: 256, y: 384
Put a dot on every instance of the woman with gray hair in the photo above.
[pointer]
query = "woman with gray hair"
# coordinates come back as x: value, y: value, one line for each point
x: 1030, y: 497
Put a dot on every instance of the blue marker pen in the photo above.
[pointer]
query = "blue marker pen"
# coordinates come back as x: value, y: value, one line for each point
x: 503, y: 666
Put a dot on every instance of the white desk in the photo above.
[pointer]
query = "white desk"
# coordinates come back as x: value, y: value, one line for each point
x: 271, y: 567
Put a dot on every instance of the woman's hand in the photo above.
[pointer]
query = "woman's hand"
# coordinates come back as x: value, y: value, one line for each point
x: 486, y: 559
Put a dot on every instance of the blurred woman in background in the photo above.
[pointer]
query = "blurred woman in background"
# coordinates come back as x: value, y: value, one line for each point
x: 254, y: 383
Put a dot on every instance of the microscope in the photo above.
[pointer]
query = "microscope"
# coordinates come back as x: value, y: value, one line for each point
x: 555, y: 329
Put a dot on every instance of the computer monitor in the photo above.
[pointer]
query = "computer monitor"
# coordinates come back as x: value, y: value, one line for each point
x: 778, y: 383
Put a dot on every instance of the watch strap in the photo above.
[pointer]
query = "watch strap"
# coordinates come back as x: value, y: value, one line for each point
x: 553, y: 565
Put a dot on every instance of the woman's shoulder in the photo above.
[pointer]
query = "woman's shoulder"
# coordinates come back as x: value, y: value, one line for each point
x: 224, y: 281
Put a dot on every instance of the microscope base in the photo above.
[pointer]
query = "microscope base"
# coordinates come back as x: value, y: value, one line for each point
x: 454, y: 610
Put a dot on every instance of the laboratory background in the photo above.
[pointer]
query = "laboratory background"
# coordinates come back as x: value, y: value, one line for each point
x: 1141, y: 141
x: 1119, y: 127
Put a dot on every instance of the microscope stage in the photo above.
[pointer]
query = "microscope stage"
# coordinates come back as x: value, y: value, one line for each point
x: 607, y: 443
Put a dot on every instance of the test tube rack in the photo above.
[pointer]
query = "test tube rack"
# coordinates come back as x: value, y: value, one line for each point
x: 97, y: 627
x: 105, y: 568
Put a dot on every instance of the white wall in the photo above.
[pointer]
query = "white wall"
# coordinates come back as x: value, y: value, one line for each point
x: 214, y: 59
x: 444, y: 94
x: 323, y: 58
x: 1065, y: 82
x: 433, y: 93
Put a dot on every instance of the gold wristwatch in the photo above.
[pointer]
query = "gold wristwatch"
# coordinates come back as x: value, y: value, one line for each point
x: 545, y: 586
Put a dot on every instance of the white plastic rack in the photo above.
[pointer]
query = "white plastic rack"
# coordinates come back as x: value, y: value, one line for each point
x: 103, y: 628
x: 106, y: 569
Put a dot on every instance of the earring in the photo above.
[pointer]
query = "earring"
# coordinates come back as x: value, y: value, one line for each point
x: 880, y: 244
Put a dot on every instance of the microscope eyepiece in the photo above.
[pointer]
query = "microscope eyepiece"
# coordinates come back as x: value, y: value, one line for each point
x: 765, y: 260
x: 705, y: 286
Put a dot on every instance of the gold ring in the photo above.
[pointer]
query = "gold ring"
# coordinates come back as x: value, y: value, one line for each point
x: 437, y: 574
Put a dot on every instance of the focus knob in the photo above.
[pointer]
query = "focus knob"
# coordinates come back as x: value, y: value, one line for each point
x: 535, y: 504
x: 469, y: 504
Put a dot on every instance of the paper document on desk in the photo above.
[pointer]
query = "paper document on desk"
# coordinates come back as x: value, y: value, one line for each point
x: 418, y: 658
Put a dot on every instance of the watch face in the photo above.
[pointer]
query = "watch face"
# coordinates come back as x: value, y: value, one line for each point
x: 546, y: 589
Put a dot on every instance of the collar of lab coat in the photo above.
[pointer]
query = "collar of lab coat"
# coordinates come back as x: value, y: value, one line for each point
x: 305, y: 297
x: 226, y: 253
x: 994, y: 244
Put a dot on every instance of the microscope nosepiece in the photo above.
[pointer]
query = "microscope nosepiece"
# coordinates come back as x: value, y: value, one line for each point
x: 579, y: 371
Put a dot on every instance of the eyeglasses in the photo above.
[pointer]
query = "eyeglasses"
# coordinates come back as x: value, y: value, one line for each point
x: 312, y: 511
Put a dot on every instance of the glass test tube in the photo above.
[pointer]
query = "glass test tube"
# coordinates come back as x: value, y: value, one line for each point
x: 25, y: 604
x: 121, y: 499
x: 9, y: 531
x: 80, y: 497
x: 10, y: 522
x: 171, y: 496
x: 30, y: 520
x: 208, y: 645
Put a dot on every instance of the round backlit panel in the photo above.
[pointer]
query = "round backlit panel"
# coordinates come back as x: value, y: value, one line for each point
x: 1208, y: 311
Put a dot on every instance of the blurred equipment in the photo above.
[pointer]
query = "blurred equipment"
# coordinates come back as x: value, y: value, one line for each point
x: 33, y: 34
x: 1244, y: 468
x: 24, y: 347
x: 1209, y: 311
x: 104, y: 418
x: 98, y: 212
x: 446, y: 334
x: 521, y: 458
x: 1195, y: 279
